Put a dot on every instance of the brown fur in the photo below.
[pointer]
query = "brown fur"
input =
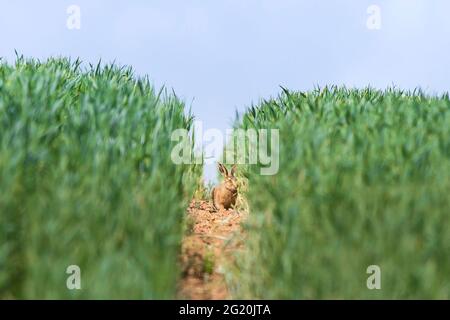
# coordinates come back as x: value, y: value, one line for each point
x: 224, y: 195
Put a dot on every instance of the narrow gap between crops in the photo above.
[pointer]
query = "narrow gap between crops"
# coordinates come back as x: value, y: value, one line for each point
x: 209, y: 249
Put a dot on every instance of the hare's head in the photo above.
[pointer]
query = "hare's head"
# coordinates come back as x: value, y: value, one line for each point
x: 229, y: 181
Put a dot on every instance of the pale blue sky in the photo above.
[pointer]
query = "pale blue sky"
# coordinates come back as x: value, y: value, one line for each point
x: 224, y: 55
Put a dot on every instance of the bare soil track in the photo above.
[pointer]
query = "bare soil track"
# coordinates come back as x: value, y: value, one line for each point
x: 212, y: 239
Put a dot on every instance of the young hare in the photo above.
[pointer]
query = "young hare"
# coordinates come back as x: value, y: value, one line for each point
x: 224, y: 195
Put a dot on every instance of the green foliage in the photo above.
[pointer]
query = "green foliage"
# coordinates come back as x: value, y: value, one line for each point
x: 86, y: 179
x: 208, y: 262
x: 364, y: 179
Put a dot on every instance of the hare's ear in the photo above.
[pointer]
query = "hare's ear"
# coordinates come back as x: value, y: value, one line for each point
x: 233, y: 170
x: 223, y: 170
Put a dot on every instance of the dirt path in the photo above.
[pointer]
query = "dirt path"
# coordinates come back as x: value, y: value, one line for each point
x: 208, y: 247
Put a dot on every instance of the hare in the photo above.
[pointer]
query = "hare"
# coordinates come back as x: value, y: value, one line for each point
x: 224, y: 195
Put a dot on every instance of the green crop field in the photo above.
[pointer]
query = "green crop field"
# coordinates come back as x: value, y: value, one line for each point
x: 86, y: 179
x: 364, y: 179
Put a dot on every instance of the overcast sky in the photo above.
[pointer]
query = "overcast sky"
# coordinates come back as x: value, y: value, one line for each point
x: 222, y: 55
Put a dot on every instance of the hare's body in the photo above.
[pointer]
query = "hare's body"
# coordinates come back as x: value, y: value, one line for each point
x: 224, y: 195
x: 223, y: 198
